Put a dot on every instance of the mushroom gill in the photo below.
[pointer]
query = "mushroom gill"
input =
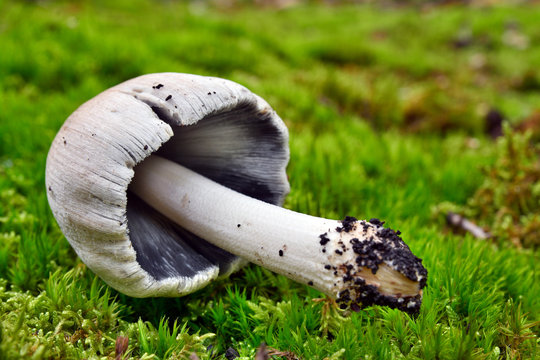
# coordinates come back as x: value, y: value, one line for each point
x: 240, y: 148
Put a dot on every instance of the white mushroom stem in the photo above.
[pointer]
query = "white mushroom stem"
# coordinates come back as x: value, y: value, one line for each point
x: 278, y: 239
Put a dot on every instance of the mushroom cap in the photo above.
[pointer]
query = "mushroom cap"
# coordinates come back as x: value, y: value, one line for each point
x: 213, y: 126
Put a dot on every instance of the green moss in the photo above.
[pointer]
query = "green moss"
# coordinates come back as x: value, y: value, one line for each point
x: 385, y: 108
x: 508, y: 201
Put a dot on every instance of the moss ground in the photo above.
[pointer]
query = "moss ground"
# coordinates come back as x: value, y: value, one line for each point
x: 386, y: 108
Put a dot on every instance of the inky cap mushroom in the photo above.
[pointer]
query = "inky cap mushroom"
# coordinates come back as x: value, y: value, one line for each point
x: 168, y: 181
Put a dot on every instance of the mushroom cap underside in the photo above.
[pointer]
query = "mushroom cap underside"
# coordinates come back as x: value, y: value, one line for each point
x: 213, y: 126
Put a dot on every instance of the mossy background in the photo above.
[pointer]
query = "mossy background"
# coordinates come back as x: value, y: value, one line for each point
x: 386, y: 105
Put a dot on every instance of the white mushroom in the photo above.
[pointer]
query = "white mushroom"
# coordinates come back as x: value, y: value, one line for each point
x: 212, y: 189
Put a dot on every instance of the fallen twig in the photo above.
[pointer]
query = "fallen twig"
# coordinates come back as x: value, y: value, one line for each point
x: 262, y: 353
x: 458, y: 221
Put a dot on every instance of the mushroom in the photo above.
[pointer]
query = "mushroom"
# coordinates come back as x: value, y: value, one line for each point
x: 168, y: 181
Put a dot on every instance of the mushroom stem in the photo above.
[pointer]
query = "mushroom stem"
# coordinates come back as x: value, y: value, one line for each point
x: 357, y: 262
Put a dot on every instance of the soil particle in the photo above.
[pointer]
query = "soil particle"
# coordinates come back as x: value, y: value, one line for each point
x: 365, y: 226
x: 324, y: 239
x: 359, y: 282
x: 344, y: 296
x: 168, y: 98
x: 231, y: 354
x: 348, y: 224
x: 158, y: 86
x: 310, y: 283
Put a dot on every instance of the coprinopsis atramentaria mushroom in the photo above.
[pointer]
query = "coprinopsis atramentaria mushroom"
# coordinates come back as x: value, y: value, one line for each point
x: 167, y: 181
